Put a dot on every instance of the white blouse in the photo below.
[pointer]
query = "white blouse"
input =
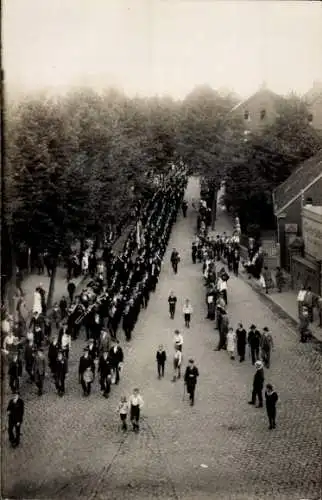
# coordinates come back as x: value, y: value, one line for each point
x: 187, y: 309
x: 136, y: 401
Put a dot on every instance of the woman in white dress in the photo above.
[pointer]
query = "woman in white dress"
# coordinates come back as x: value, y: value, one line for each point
x: 37, y: 307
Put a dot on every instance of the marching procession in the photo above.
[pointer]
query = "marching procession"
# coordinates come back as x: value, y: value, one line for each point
x: 112, y: 299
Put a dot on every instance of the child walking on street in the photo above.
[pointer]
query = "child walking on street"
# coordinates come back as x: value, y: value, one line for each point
x: 161, y: 359
x: 123, y: 409
x: 271, y: 400
x: 231, y: 343
x: 136, y: 404
x: 177, y: 360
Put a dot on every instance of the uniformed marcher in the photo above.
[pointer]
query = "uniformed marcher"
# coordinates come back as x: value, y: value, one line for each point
x: 190, y: 380
x: 241, y: 336
x: 175, y: 259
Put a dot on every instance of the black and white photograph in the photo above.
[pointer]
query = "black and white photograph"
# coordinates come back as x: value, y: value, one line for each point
x: 161, y: 250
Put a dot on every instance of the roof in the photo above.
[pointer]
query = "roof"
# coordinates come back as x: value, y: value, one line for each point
x: 302, y: 177
x: 264, y: 91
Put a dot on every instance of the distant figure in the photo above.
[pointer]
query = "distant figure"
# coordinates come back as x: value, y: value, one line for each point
x: 15, y: 412
x: 271, y: 399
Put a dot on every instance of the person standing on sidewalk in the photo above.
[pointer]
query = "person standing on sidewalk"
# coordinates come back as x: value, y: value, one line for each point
x: 187, y: 311
x: 136, y: 404
x: 190, y: 380
x: 29, y: 355
x: 15, y: 411
x: 231, y: 343
x: 172, y: 301
x: 161, y: 357
x: 271, y: 397
x: 258, y: 384
x: 300, y: 300
x: 39, y: 370
x: 194, y: 251
x: 266, y: 346
x: 241, y: 336
x: 253, y: 339
x: 71, y: 287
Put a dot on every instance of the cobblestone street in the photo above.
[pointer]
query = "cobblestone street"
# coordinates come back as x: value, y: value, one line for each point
x: 221, y: 448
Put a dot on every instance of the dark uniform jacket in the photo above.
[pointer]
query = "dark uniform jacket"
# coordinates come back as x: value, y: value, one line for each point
x: 258, y: 381
x: 16, y: 410
x: 104, y: 366
x: 191, y: 375
x: 85, y: 363
x: 161, y: 357
x: 116, y: 357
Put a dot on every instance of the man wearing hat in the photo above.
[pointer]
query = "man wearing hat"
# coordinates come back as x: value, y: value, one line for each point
x: 116, y: 356
x: 105, y: 369
x: 190, y: 379
x: 60, y: 374
x: 253, y: 339
x: 39, y: 370
x: 14, y: 372
x: 258, y: 384
x: 266, y: 345
x: 15, y: 412
x: 85, y: 362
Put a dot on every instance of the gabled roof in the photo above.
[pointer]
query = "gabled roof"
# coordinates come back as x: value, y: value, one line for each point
x: 264, y: 92
x: 303, y: 177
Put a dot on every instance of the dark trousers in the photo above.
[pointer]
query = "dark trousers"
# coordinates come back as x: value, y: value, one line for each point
x: 254, y: 351
x: 135, y: 416
x: 14, y: 432
x: 161, y: 369
x: 271, y: 414
x: 71, y: 295
x: 257, y: 392
x: 117, y: 373
x: 241, y: 352
x: 60, y: 385
x: 266, y: 357
x: 105, y: 384
x: 172, y: 310
x: 224, y: 293
x: 175, y: 267
x: 123, y: 417
x: 235, y: 268
x: 187, y: 318
x: 14, y: 383
x: 39, y: 381
x: 191, y: 391
x: 194, y: 258
x: 222, y: 341
x: 86, y: 387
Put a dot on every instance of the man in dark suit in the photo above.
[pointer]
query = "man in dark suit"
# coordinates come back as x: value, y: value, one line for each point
x: 15, y: 412
x: 116, y: 356
x: 104, y: 369
x: 190, y: 379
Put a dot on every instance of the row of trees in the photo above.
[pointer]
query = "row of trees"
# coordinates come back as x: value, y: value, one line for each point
x: 77, y: 163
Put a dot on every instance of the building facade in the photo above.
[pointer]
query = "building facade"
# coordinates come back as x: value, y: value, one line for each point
x: 259, y: 110
x: 303, y: 185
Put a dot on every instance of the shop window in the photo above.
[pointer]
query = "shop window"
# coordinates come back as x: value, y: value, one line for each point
x: 246, y: 115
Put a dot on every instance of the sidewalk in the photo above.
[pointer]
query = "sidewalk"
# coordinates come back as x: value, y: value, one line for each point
x: 285, y: 302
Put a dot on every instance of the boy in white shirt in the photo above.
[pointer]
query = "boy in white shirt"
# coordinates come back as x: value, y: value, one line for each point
x: 136, y: 404
x: 231, y: 343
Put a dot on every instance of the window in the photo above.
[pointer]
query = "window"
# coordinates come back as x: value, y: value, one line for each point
x: 310, y: 118
x: 246, y: 115
x: 263, y: 114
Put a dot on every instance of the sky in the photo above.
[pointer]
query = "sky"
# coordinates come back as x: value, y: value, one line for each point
x: 149, y: 47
